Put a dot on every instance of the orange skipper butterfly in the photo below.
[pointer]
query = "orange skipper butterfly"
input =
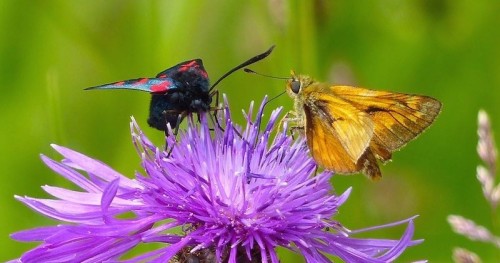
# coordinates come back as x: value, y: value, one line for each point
x: 348, y: 128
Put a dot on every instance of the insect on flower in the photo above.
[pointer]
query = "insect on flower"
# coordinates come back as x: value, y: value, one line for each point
x: 348, y: 128
x: 178, y: 91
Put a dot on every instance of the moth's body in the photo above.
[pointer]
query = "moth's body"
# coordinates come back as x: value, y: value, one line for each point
x: 190, y: 95
x: 178, y: 91
x: 349, y: 128
x: 175, y: 92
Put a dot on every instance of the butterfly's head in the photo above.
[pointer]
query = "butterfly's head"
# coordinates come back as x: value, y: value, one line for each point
x: 296, y: 83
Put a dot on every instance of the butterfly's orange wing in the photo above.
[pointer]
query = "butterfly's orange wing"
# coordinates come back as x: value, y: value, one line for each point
x: 398, y: 118
x: 337, y: 132
x: 348, y: 128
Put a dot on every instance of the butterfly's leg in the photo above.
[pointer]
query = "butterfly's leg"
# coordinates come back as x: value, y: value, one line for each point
x: 291, y: 116
x: 283, y: 120
x: 294, y: 129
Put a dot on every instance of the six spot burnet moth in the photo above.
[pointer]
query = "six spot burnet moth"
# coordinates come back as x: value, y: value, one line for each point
x: 178, y: 91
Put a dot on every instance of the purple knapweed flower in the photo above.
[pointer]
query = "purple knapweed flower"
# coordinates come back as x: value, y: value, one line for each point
x: 231, y: 195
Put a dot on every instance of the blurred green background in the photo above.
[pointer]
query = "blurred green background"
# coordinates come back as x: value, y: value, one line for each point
x: 448, y: 49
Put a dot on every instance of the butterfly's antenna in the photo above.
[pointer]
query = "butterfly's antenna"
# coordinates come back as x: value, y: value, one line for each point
x: 244, y: 64
x: 247, y: 70
x: 275, y: 97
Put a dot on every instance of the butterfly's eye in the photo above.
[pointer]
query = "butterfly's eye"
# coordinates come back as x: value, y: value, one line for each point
x: 295, y: 86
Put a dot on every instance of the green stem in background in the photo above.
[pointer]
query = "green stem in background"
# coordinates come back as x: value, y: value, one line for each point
x: 302, y: 36
x: 54, y: 119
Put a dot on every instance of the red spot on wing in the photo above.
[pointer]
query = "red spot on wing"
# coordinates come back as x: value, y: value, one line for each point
x: 142, y: 81
x: 193, y: 64
x: 204, y: 73
x: 160, y: 88
x: 188, y: 65
x: 120, y: 83
x: 162, y: 76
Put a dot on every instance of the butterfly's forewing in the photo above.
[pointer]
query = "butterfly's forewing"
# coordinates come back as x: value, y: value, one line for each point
x: 398, y: 118
x: 337, y: 133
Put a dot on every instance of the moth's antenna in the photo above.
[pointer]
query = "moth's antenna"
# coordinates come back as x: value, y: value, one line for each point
x: 244, y: 64
x: 247, y: 70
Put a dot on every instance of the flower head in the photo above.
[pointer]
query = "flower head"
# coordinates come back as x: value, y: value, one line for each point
x: 232, y: 195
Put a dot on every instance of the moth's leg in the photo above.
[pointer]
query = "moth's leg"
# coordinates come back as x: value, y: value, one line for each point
x: 198, y: 117
x: 216, y: 121
x: 180, y: 116
x: 216, y: 109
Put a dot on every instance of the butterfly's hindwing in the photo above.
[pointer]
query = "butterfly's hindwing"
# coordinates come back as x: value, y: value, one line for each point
x: 398, y: 118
